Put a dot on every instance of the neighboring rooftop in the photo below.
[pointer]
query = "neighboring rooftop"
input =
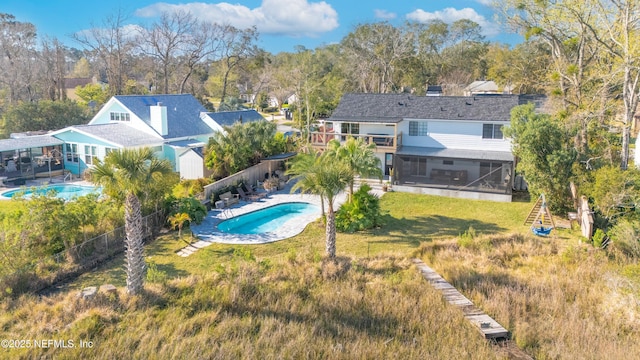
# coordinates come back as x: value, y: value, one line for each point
x: 393, y: 108
x: 228, y: 118
x: 481, y: 87
x: 183, y: 112
x: 27, y: 142
x: 117, y: 134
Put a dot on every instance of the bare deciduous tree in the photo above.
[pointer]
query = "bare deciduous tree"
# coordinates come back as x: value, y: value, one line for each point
x: 112, y: 44
x: 53, y: 59
x: 17, y: 58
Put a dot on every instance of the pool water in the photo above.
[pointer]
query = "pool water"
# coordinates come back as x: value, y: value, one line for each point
x: 63, y: 191
x: 267, y: 220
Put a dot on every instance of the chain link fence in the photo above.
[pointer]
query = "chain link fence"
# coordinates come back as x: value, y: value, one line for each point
x: 63, y: 266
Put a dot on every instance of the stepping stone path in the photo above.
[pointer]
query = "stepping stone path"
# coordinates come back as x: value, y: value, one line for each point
x: 191, y: 248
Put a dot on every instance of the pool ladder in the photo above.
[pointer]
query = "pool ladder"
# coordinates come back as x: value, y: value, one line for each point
x: 224, y: 210
x: 227, y: 213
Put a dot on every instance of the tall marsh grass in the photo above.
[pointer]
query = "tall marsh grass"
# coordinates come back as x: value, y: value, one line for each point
x: 560, y: 299
x: 299, y: 307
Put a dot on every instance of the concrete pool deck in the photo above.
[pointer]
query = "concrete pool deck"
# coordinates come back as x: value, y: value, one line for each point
x: 207, y: 232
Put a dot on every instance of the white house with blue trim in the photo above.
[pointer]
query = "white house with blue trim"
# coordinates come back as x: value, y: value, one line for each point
x: 176, y: 127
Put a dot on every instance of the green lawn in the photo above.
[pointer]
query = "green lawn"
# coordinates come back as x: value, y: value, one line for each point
x: 409, y: 221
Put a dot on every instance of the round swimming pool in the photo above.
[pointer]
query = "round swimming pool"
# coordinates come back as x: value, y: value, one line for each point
x: 268, y: 220
x: 63, y: 191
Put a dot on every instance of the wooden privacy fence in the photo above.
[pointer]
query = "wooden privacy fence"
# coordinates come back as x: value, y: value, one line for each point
x: 250, y: 176
x: 77, y: 259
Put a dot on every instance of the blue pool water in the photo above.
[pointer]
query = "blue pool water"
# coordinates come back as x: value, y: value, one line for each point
x: 267, y: 220
x: 63, y: 191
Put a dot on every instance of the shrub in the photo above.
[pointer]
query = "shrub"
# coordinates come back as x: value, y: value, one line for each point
x: 155, y: 275
x: 191, y: 207
x: 187, y: 188
x: 363, y: 212
x: 598, y: 237
x: 466, y: 240
x: 624, y: 236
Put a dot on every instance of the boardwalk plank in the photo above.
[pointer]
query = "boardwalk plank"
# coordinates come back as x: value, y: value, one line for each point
x: 490, y: 328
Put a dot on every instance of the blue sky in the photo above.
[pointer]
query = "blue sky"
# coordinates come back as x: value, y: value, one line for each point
x: 282, y: 24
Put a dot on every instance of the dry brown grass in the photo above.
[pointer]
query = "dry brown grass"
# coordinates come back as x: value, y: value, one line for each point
x: 559, y: 298
x: 300, y: 308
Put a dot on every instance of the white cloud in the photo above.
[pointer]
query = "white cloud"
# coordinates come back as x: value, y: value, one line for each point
x: 384, y: 14
x: 294, y: 18
x: 128, y: 32
x: 485, y: 2
x: 450, y: 15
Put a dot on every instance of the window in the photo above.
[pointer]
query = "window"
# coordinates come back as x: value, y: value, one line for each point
x: 447, y: 162
x: 90, y: 154
x: 118, y: 116
x: 72, y: 152
x: 418, y: 128
x: 349, y: 128
x: 107, y: 151
x: 492, y: 131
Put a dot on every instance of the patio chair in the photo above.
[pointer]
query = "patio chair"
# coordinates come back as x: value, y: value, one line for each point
x: 229, y: 198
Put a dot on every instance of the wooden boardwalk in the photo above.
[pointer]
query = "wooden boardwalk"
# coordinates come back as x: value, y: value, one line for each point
x: 483, y: 322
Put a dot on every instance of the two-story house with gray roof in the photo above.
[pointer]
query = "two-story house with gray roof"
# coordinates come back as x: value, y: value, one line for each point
x: 443, y: 145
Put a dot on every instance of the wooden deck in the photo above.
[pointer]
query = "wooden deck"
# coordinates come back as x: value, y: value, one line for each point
x: 481, y: 321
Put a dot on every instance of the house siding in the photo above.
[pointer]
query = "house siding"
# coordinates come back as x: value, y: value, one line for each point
x: 104, y: 117
x: 191, y: 165
x: 465, y: 135
x: 81, y: 140
x: 169, y: 153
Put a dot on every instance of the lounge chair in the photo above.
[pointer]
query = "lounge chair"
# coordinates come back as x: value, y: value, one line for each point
x: 251, y: 192
x: 244, y: 196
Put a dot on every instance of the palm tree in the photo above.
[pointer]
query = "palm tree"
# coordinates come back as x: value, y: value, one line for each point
x: 359, y: 156
x: 178, y: 220
x: 332, y: 177
x: 324, y: 176
x: 126, y: 175
x: 302, y: 169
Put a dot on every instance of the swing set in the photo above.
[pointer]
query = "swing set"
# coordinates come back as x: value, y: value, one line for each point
x: 543, y: 223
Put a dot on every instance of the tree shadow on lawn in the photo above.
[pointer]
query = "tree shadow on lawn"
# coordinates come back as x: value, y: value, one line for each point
x: 427, y: 228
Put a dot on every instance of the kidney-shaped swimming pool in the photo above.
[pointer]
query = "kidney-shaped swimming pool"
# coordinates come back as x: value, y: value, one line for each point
x: 268, y: 220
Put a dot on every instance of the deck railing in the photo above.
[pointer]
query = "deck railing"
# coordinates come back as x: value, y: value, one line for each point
x: 382, y: 141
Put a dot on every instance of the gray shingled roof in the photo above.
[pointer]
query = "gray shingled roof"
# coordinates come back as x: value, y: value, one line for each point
x: 183, y: 113
x: 29, y: 142
x: 392, y: 108
x: 120, y: 134
x: 228, y: 118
